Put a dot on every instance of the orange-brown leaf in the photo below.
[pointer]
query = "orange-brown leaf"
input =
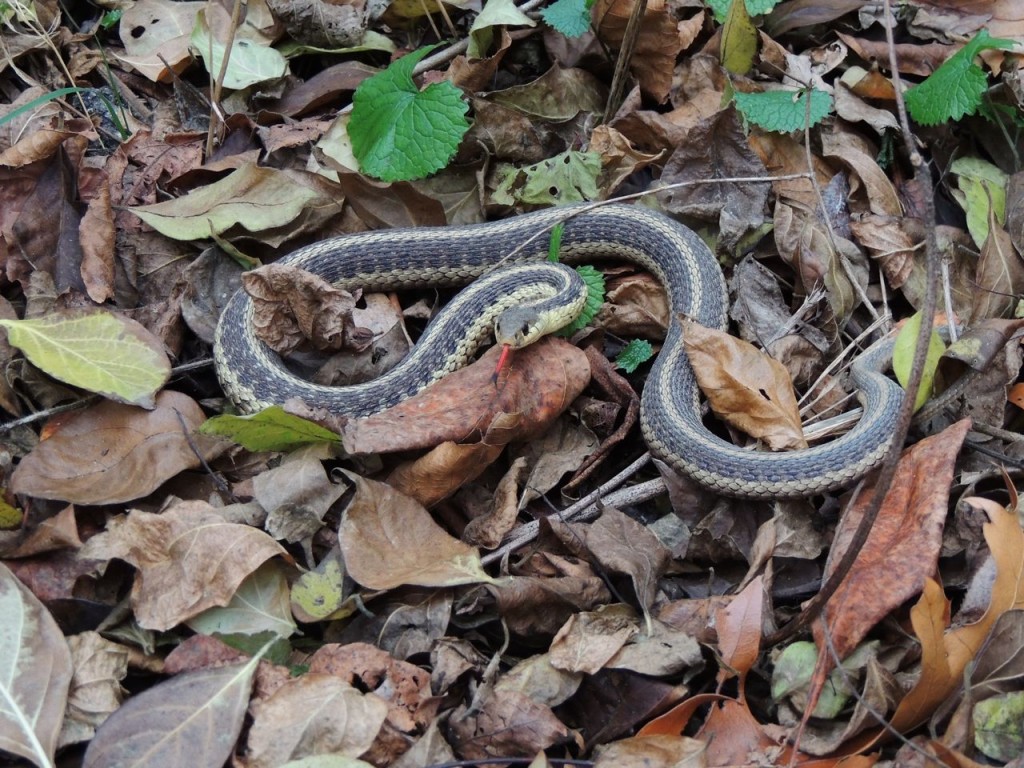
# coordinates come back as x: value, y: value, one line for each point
x: 745, y: 387
x: 538, y: 384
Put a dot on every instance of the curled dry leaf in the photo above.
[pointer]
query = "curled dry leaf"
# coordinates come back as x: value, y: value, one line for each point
x: 508, y: 723
x: 111, y: 453
x: 537, y: 385
x: 388, y: 539
x: 96, y: 691
x: 35, y: 671
x: 745, y: 387
x: 291, y: 306
x: 189, y: 559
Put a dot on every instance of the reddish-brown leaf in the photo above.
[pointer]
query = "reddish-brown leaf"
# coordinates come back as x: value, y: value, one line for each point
x: 537, y: 385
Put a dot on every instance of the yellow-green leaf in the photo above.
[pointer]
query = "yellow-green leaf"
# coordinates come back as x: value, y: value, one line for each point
x: 739, y: 40
x: 903, y: 358
x: 102, y: 352
x: 254, y: 198
x: 272, y: 429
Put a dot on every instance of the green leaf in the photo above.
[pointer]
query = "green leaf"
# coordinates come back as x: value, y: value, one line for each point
x: 634, y: 354
x: 570, y: 17
x: 272, y: 429
x: 739, y: 40
x: 903, y: 358
x: 400, y: 133
x: 981, y: 192
x: 249, y: 63
x: 38, y: 102
x: 720, y: 8
x: 783, y: 111
x: 570, y: 177
x: 260, y: 604
x: 102, y: 352
x: 594, y: 280
x: 495, y: 13
x: 956, y: 87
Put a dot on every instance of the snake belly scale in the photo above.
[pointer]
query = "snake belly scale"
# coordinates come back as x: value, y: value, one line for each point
x: 254, y: 377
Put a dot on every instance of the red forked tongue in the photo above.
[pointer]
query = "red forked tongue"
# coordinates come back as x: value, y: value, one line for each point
x: 506, y: 353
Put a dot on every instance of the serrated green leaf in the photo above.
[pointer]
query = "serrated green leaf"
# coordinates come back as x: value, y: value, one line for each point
x: 783, y: 111
x: 400, y: 133
x: 249, y: 63
x: 634, y: 354
x: 956, y: 87
x: 570, y: 177
x: 594, y: 280
x: 720, y: 8
x: 903, y: 358
x: 272, y: 429
x: 570, y: 17
x: 98, y: 351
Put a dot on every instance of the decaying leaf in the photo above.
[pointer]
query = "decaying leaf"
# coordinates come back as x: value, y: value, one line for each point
x: 189, y: 559
x: 193, y: 718
x: 35, y: 672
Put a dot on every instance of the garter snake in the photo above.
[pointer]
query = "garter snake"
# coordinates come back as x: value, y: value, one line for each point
x: 253, y: 377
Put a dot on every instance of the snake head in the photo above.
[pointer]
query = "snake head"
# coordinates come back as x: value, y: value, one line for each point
x: 518, y: 327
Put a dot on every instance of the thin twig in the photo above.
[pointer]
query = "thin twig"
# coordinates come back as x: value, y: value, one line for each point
x: 586, y: 508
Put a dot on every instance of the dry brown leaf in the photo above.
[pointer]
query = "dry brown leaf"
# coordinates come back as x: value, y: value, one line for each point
x: 541, y: 605
x: 190, y: 720
x: 57, y: 532
x: 619, y: 159
x: 291, y: 306
x: 441, y: 472
x: 745, y: 387
x: 946, y: 652
x: 508, y: 723
x: 657, y: 45
x: 999, y: 277
x: 622, y: 545
x: 404, y: 686
x: 37, y: 672
x: 488, y: 530
x: 97, y: 238
x: 387, y: 539
x: 189, y: 559
x: 96, y: 691
x: 588, y: 641
x: 902, y: 549
x: 738, y: 625
x: 892, y: 240
x: 310, y: 715
x: 854, y: 152
x: 660, y: 751
x: 37, y: 145
x: 111, y: 452
x: 537, y: 385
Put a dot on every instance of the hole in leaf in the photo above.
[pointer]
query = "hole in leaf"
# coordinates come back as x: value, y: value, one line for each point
x: 138, y: 32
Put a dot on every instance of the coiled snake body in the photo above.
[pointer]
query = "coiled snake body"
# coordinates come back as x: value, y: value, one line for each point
x: 671, y: 422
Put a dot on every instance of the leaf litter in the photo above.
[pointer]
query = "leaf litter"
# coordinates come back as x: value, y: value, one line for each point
x: 145, y: 157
